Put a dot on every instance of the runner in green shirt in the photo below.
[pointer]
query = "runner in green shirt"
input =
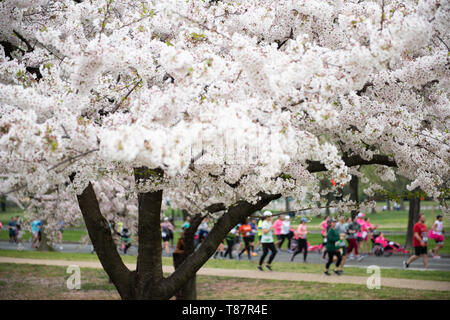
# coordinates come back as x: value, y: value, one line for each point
x: 332, y: 249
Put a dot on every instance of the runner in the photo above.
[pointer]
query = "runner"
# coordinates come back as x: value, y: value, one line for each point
x: 166, y: 229
x: 267, y: 241
x: 36, y: 226
x: 12, y: 227
x: 18, y: 228
x: 277, y: 228
x: 220, y: 250
x: 245, y: 230
x: 332, y: 238
x: 370, y: 230
x: 187, y: 223
x: 342, y: 228
x: 203, y: 229
x: 437, y: 233
x: 252, y: 236
x: 285, y: 232
x: 302, y: 244
x: 260, y: 222
x: 125, y: 236
x: 352, y: 230
x: 323, y: 231
x: 362, y: 236
x: 230, y: 239
x: 420, y: 239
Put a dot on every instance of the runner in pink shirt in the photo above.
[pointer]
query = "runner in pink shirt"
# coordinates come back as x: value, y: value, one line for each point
x: 362, y: 236
x: 324, y: 231
x: 277, y: 227
x: 302, y: 244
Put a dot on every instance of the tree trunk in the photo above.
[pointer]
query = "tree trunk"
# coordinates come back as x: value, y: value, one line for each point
x: 185, y: 214
x: 388, y: 204
x: 354, y: 194
x: 3, y: 203
x: 413, y: 217
x: 402, y: 204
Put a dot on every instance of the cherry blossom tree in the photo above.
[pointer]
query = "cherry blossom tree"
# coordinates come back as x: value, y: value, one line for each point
x: 223, y: 105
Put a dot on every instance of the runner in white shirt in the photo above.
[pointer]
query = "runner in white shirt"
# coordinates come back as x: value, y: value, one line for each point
x: 267, y: 241
x: 437, y: 233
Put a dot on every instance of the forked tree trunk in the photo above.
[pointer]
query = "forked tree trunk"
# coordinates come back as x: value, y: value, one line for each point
x: 147, y: 282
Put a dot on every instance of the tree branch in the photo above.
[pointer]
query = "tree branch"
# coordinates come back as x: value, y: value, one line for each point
x: 100, y: 235
x: 194, y: 262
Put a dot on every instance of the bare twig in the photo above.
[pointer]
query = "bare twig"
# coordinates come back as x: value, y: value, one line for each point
x: 125, y: 97
x: 72, y: 159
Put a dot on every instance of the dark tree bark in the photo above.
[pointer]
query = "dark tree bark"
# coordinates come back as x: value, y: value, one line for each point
x: 354, y: 193
x: 185, y: 214
x: 100, y: 235
x: 3, y: 203
x: 413, y: 217
x: 149, y: 261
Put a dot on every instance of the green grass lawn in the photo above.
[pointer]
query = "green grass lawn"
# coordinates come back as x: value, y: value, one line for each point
x: 49, y: 282
x: 239, y: 264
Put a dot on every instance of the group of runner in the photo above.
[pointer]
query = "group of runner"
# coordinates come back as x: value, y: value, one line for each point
x: 15, y: 231
x: 421, y: 235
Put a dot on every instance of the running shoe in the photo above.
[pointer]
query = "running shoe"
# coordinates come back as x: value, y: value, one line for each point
x: 326, y: 273
x: 254, y: 254
x: 260, y: 268
x: 337, y: 272
x: 268, y: 267
x: 351, y: 257
x: 405, y: 265
x: 360, y: 258
x: 436, y: 257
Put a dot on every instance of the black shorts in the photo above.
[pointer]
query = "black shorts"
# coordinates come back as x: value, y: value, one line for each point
x: 420, y: 250
x: 359, y: 239
x: 251, y: 238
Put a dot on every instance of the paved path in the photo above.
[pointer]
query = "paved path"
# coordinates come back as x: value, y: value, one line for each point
x: 394, y: 261
x: 251, y: 274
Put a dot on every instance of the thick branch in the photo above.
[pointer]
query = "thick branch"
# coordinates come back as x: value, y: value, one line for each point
x: 100, y: 235
x: 317, y: 166
x: 195, y: 261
